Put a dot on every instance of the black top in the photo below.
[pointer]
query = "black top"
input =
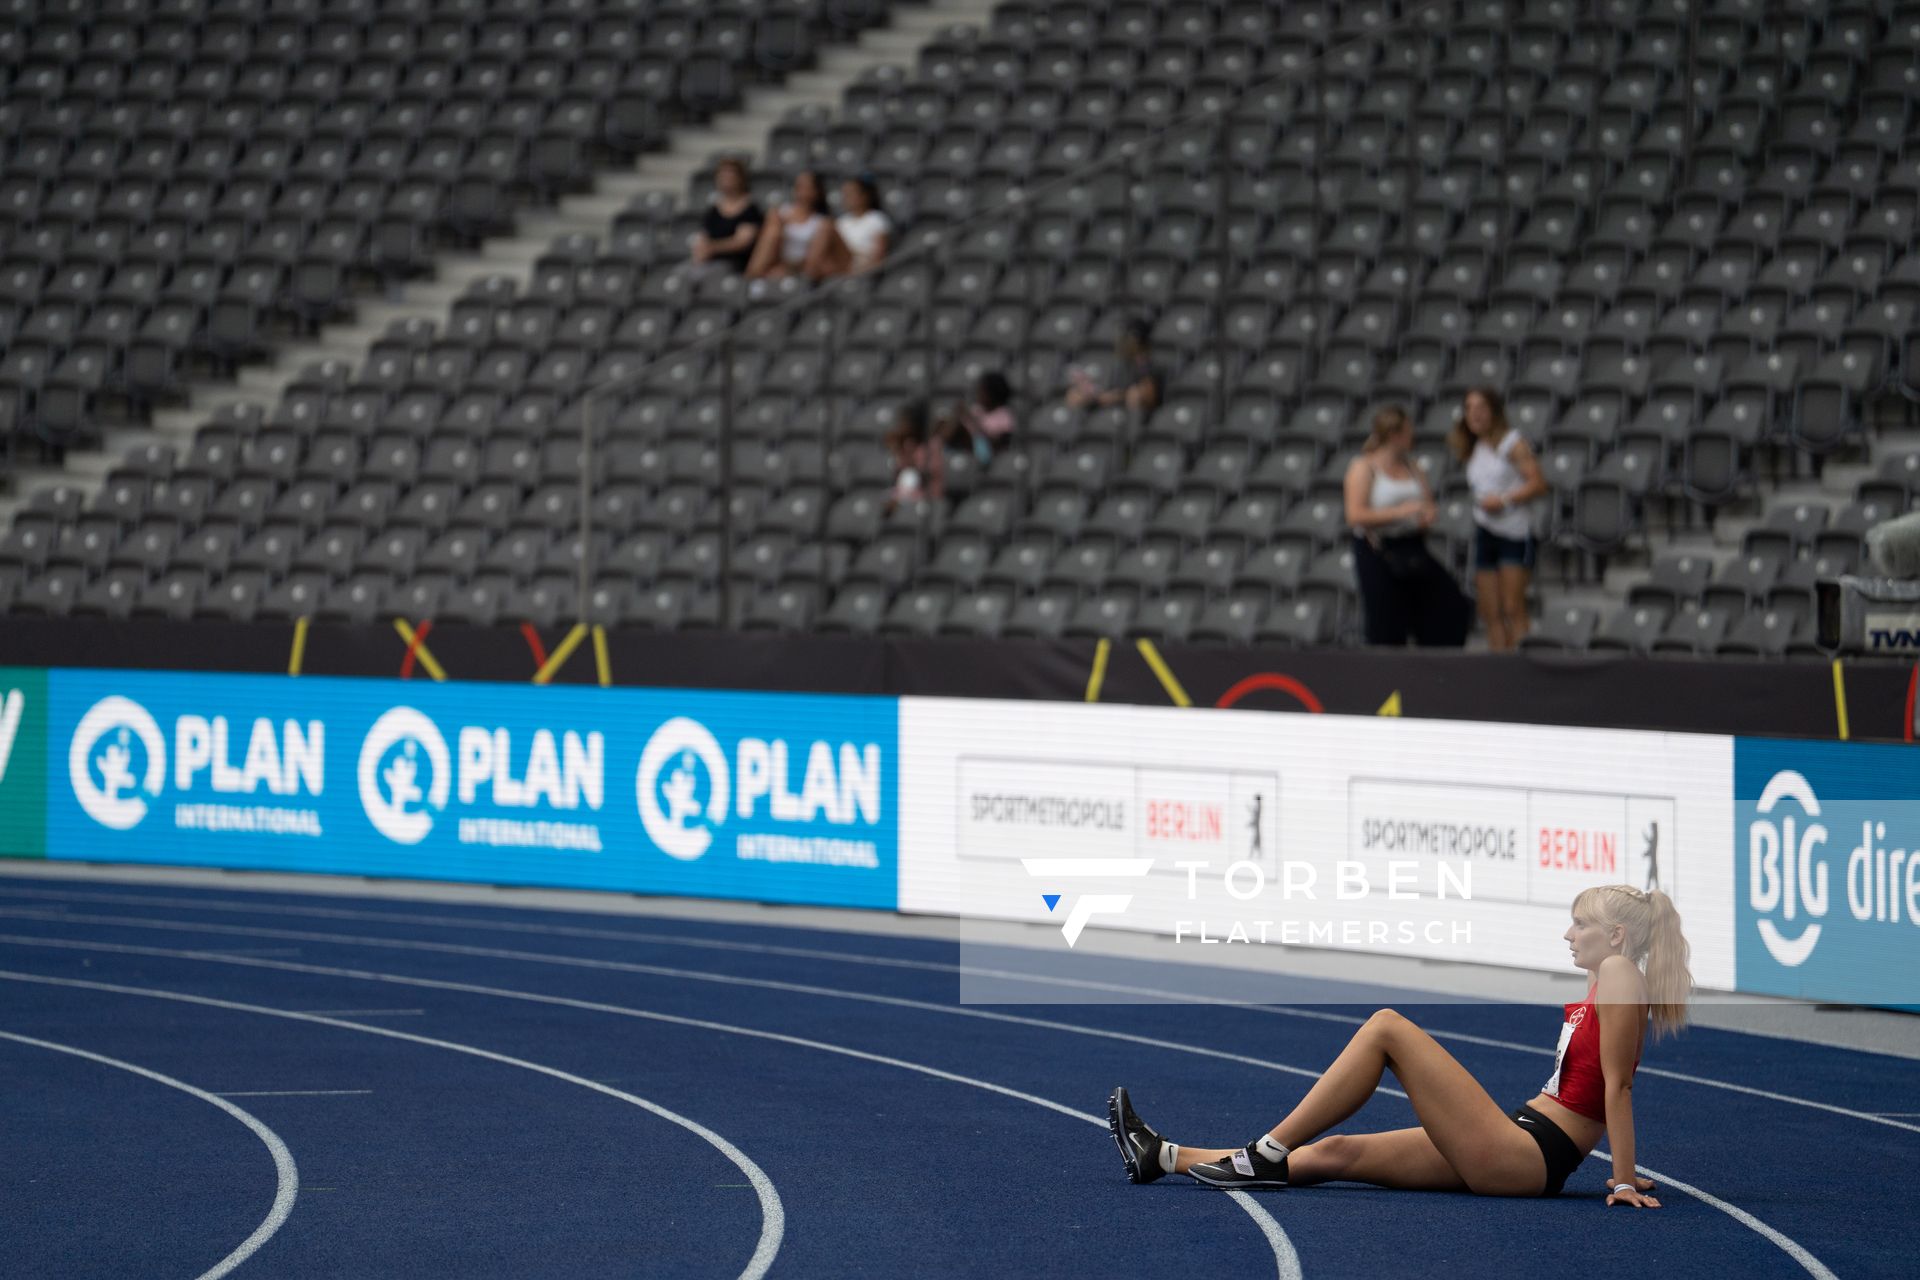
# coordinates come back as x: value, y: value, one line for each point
x: 718, y: 226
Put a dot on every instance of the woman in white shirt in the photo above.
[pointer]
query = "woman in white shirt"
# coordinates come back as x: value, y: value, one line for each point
x: 1404, y: 592
x: 1505, y: 478
x: 858, y: 238
x: 790, y: 232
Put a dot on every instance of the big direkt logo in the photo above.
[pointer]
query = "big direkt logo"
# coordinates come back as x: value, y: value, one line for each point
x: 408, y: 777
x: 1785, y: 872
x: 686, y: 790
x: 117, y: 764
x: 1788, y: 868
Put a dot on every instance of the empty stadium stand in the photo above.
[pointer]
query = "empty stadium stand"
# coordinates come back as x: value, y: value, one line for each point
x: 1680, y: 237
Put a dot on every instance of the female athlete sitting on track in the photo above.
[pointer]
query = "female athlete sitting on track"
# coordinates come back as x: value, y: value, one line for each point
x: 1464, y: 1141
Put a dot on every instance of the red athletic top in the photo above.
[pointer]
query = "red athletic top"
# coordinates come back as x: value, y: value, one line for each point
x: 1578, y: 1083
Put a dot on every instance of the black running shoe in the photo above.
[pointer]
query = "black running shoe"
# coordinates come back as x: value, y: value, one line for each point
x: 1246, y: 1170
x: 1139, y: 1144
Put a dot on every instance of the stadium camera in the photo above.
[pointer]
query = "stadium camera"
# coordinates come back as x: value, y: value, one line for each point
x: 1876, y: 615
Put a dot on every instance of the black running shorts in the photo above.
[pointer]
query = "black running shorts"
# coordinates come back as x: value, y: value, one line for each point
x: 1562, y: 1156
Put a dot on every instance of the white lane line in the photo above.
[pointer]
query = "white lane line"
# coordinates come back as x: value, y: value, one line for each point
x: 293, y: 1093
x: 892, y: 962
x: 796, y: 988
x: 1793, y: 1249
x: 1284, y: 1256
x: 366, y: 1013
x: 286, y: 1174
x: 1321, y: 1015
x: 836, y: 993
x: 464, y: 922
x: 632, y: 967
x: 1286, y: 1260
x: 1250, y: 1205
x: 665, y: 971
x: 773, y: 1213
x: 938, y: 967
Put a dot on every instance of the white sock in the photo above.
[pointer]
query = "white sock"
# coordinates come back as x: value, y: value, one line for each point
x: 1169, y: 1156
x: 1268, y: 1149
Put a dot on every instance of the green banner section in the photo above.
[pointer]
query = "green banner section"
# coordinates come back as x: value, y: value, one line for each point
x: 23, y: 762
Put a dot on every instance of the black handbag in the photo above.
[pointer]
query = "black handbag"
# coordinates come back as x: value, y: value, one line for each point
x: 1405, y: 556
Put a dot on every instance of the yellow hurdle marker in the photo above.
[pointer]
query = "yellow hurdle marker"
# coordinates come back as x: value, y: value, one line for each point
x: 1098, y: 676
x: 560, y: 655
x: 1164, y: 672
x: 299, y: 655
x: 421, y: 653
x: 1840, y: 698
x: 600, y: 663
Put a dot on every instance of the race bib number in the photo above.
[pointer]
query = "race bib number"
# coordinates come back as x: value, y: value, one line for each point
x: 1559, y: 1057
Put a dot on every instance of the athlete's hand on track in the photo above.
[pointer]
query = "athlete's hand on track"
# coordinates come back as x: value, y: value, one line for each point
x: 1638, y: 1199
x: 1644, y: 1184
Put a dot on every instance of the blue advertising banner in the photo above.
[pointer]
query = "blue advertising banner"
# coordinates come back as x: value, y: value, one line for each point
x: 1827, y: 870
x: 771, y: 797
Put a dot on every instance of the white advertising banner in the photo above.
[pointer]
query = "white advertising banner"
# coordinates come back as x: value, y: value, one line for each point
x: 1015, y: 808
x: 1436, y: 839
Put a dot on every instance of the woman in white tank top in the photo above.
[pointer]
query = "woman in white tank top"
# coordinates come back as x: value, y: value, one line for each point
x: 789, y: 233
x: 1404, y: 592
x: 857, y: 239
x: 1505, y: 478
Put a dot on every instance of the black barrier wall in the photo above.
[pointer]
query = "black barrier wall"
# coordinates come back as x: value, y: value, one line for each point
x: 1805, y: 698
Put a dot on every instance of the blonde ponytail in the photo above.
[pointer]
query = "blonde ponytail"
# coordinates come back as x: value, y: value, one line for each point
x: 1669, y: 981
x: 1654, y: 942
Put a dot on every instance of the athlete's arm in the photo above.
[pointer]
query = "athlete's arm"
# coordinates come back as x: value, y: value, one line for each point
x: 1620, y: 1000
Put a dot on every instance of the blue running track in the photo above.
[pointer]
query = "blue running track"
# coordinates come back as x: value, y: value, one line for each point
x: 281, y: 1085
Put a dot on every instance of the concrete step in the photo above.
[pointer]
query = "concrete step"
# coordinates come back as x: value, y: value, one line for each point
x: 902, y: 46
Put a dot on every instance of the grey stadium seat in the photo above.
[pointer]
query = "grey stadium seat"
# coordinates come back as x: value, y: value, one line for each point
x: 1682, y: 328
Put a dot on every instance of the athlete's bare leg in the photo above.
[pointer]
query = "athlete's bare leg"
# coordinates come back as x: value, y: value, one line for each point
x: 1403, y: 1158
x: 1486, y: 1151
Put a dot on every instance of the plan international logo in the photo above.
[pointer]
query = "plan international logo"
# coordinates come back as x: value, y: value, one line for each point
x: 788, y: 801
x: 120, y: 763
x: 508, y: 786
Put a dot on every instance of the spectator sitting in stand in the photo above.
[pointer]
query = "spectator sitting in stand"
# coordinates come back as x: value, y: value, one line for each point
x: 1139, y: 388
x: 985, y: 425
x: 731, y: 224
x: 790, y: 231
x: 919, y: 463
x: 858, y: 239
